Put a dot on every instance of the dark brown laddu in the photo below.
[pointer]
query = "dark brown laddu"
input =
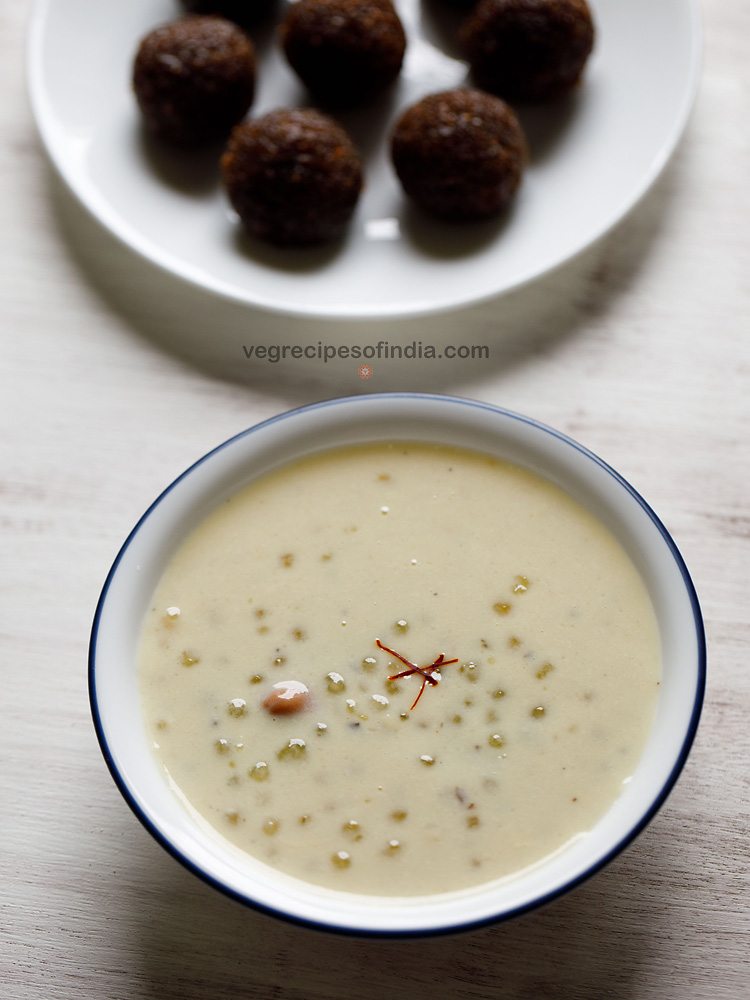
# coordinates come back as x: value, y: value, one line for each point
x: 344, y: 51
x: 528, y: 50
x: 292, y: 176
x: 459, y: 154
x: 194, y: 79
x: 244, y: 12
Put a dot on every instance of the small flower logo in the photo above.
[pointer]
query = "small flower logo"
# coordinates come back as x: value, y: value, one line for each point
x: 365, y: 372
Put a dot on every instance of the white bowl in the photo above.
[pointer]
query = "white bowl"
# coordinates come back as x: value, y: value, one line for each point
x: 113, y: 680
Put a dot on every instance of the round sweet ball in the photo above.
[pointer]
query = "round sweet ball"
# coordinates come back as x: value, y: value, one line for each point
x: 194, y: 79
x: 344, y: 51
x: 528, y: 50
x: 292, y: 176
x: 241, y: 11
x: 459, y: 155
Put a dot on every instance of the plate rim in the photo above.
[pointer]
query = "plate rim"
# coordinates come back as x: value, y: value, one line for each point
x: 100, y: 210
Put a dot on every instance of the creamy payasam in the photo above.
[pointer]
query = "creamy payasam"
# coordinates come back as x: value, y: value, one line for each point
x: 400, y: 669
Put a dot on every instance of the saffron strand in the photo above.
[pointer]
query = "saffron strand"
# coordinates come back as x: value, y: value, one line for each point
x: 424, y: 672
x: 414, y: 703
x: 413, y: 668
x: 408, y: 673
x: 398, y: 656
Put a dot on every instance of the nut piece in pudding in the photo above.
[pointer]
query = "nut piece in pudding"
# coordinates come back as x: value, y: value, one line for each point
x: 344, y: 51
x: 241, y: 11
x: 287, y: 698
x: 292, y: 176
x: 459, y: 154
x: 528, y: 50
x: 194, y: 79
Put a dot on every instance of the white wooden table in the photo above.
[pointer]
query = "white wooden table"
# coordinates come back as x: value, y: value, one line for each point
x: 115, y: 377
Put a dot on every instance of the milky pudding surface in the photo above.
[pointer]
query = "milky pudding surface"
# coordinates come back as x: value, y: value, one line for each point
x: 514, y: 616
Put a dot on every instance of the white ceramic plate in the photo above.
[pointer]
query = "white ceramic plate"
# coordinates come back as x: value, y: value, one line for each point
x: 593, y: 158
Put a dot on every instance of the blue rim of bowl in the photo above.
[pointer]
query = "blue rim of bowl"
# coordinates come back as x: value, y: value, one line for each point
x: 470, y: 925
